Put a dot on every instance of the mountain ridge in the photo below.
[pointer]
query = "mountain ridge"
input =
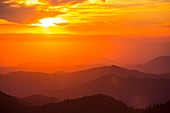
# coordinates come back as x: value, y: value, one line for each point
x: 158, y: 65
x: 129, y: 89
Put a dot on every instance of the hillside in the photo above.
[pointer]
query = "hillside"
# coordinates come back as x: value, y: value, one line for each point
x: 30, y: 83
x: 159, y: 65
x: 10, y: 104
x: 39, y: 100
x: 90, y: 104
x: 139, y: 92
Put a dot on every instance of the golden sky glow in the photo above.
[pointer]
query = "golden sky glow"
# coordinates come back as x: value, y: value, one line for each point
x: 125, y: 31
x: 113, y: 17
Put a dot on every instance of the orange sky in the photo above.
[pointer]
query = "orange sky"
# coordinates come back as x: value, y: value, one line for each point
x: 124, y: 31
x: 80, y: 50
x: 113, y: 17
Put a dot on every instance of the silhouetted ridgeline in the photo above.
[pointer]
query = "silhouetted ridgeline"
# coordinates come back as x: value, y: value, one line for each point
x: 15, y: 83
x: 10, y: 104
x: 89, y: 104
x: 159, y: 108
x: 127, y: 85
x: 159, y: 65
x: 138, y: 92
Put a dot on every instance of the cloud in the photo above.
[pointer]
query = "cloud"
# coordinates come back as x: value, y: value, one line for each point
x: 15, y: 14
x: 20, y: 13
x: 55, y: 2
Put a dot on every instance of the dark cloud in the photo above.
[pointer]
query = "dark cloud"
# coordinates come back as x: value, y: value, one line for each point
x: 22, y: 14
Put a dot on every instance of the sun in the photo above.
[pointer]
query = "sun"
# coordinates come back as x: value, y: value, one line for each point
x: 48, y: 22
x: 32, y: 2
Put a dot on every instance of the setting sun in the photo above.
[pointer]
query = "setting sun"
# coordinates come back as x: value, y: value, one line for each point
x: 48, y: 22
x: 32, y: 2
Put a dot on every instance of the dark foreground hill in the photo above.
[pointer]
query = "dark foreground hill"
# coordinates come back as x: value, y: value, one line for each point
x: 10, y: 104
x: 159, y: 108
x: 89, y: 104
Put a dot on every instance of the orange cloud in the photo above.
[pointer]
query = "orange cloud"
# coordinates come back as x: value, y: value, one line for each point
x: 20, y: 13
x: 121, y: 17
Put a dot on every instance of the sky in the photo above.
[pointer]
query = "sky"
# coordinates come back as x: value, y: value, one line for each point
x: 74, y: 32
x: 64, y: 50
x: 113, y: 17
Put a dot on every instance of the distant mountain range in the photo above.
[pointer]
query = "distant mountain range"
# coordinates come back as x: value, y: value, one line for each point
x: 67, y: 63
x: 30, y: 83
x: 124, y: 84
x: 4, y: 70
x: 44, y: 67
x: 138, y: 92
x: 159, y: 65
x: 88, y: 104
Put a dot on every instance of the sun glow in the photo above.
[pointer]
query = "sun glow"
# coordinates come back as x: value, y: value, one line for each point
x: 49, y: 22
x: 32, y: 2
